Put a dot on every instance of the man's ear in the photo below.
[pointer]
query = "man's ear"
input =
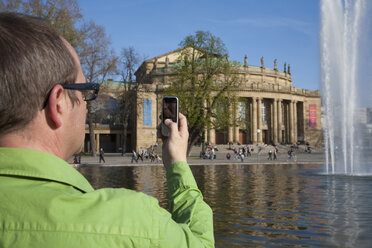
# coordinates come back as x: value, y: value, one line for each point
x: 54, y: 106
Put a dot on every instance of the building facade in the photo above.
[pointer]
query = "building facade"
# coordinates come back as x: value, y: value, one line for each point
x: 272, y: 109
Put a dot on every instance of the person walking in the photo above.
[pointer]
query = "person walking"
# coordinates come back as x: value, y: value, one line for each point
x: 270, y: 155
x: 101, y: 155
x: 134, y: 157
x: 249, y: 151
x: 140, y: 155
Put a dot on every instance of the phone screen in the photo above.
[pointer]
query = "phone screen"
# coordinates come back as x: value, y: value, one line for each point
x: 170, y: 109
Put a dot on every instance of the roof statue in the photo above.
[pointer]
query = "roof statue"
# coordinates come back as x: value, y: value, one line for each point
x: 262, y: 62
x: 155, y: 63
x: 275, y: 64
x: 166, y: 62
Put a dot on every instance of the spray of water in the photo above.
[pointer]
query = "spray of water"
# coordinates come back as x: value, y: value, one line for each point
x: 340, y: 22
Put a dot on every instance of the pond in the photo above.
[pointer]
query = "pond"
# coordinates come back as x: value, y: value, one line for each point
x: 265, y: 205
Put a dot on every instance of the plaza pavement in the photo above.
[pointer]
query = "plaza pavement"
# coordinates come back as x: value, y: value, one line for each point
x: 316, y: 157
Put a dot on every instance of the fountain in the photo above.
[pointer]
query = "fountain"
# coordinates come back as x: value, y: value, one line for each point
x: 340, y: 54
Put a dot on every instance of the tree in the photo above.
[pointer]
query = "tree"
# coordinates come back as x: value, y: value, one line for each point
x: 61, y: 14
x: 129, y: 61
x: 203, y: 82
x: 90, y: 41
x: 98, y: 61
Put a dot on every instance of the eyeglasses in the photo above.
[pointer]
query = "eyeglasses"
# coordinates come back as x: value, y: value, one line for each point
x: 89, y: 90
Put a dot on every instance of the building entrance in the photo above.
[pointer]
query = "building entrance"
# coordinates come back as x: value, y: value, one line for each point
x: 242, y: 137
x: 220, y: 138
x: 264, y: 136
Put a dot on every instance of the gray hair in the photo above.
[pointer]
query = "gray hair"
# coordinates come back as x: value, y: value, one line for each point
x: 33, y: 59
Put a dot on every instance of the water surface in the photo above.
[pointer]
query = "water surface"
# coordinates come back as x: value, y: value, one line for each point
x: 266, y: 205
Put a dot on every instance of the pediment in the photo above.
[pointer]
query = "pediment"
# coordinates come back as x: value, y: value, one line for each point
x: 172, y: 56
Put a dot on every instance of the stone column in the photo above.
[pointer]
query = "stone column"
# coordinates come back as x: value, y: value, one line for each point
x: 295, y: 130
x: 254, y: 120
x: 279, y: 127
x: 230, y: 133
x: 212, y: 136
x: 275, y: 127
x: 259, y: 122
x: 236, y: 126
x: 97, y: 142
x: 206, y: 130
x: 291, y: 123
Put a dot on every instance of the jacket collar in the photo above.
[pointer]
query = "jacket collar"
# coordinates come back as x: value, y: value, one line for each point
x: 40, y: 165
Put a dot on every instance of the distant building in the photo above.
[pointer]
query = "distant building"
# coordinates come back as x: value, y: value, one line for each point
x: 361, y: 115
x: 364, y: 127
x: 108, y: 122
x: 275, y: 111
x: 369, y: 115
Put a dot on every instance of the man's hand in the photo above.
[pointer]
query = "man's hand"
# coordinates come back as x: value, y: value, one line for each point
x: 175, y: 146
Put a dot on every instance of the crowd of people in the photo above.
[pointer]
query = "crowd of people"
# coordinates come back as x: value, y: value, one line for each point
x: 209, y: 153
x: 244, y: 151
x: 240, y: 153
x: 145, y: 155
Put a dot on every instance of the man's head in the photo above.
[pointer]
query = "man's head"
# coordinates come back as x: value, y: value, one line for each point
x: 33, y: 59
x: 34, y: 64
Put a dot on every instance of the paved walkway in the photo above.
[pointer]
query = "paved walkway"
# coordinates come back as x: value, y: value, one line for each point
x: 115, y: 159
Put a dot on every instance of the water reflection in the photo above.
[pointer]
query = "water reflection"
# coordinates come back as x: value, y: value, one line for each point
x: 147, y: 179
x: 265, y: 205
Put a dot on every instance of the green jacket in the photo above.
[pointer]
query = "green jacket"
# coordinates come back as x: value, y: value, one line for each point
x: 47, y: 203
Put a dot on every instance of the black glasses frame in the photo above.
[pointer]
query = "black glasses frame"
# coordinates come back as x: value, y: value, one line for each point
x: 82, y: 87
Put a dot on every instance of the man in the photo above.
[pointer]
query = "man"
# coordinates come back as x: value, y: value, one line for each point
x: 134, y: 157
x: 101, y: 155
x: 47, y: 203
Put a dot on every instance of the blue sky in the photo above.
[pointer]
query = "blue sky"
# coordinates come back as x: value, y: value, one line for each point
x: 286, y: 30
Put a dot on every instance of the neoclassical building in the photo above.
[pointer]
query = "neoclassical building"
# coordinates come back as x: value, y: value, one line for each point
x: 273, y: 111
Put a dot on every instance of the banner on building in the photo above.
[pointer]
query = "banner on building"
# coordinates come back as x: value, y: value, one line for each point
x: 147, y: 112
x: 312, y: 115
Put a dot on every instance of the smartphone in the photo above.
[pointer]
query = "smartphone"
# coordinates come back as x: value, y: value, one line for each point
x: 170, y: 111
